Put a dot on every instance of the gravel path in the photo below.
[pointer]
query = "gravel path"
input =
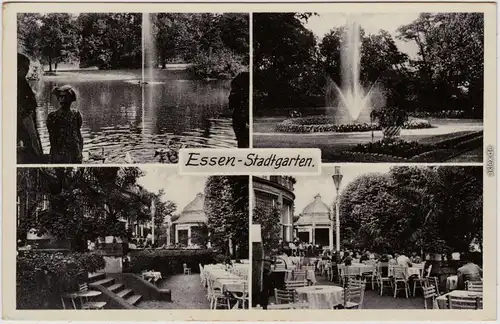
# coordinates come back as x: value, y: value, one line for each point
x: 187, y: 293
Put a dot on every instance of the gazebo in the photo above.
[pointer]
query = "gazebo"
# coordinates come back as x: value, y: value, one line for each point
x: 313, y: 225
x: 192, y: 216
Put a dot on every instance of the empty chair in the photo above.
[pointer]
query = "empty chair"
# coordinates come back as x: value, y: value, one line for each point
x: 284, y: 296
x: 293, y: 284
x: 299, y: 275
x: 400, y: 281
x: 371, y: 277
x: 186, y: 269
x: 354, y: 294
x: 421, y: 280
x: 455, y: 302
x: 86, y: 303
x: 383, y: 277
x: 429, y: 292
x: 474, y: 286
x: 216, y: 297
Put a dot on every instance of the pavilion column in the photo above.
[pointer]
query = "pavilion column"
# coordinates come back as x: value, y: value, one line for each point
x: 314, y: 232
x: 176, y: 235
x: 330, y: 234
x: 189, y: 235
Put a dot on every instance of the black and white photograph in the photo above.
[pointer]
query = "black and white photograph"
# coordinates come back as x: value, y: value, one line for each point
x: 131, y: 238
x: 130, y: 87
x: 369, y: 237
x: 370, y: 87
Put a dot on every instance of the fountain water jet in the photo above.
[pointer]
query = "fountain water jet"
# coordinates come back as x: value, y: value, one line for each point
x: 353, y: 102
x: 148, y: 64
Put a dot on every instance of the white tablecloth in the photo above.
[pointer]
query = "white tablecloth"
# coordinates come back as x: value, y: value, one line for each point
x: 321, y: 297
x: 155, y: 275
x: 223, y: 279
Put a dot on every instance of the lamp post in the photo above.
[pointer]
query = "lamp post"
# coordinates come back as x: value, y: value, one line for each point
x: 337, y: 179
x: 153, y: 212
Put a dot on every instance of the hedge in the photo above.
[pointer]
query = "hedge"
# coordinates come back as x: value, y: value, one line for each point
x: 168, y: 262
x: 42, y: 277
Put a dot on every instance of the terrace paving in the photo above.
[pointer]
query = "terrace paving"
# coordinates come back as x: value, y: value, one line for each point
x: 187, y: 293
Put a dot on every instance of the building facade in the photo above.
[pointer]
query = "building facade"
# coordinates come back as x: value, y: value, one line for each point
x: 314, y: 224
x: 191, y: 219
x: 271, y: 191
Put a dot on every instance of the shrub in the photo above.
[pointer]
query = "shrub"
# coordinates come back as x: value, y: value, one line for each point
x: 390, y: 116
x: 222, y: 64
x: 43, y: 276
x: 399, y: 148
x: 168, y: 262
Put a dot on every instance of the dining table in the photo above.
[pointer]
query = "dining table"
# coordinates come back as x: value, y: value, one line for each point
x: 321, y: 296
x: 442, y: 301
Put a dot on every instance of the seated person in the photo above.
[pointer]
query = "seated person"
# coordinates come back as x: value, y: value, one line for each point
x: 403, y: 260
x: 468, y: 272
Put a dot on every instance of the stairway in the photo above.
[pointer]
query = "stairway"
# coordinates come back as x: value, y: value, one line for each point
x: 116, y: 287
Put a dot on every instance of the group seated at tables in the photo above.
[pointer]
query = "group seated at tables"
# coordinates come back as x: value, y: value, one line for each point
x: 403, y: 275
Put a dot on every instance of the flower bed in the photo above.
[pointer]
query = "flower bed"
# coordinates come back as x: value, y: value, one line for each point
x: 318, y: 124
x: 440, y: 114
x: 168, y: 262
x: 398, y: 148
x: 43, y: 276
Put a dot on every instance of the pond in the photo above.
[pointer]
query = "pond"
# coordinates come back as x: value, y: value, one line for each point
x: 128, y: 121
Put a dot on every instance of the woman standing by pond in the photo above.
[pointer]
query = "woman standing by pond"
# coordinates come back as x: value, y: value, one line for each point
x: 64, y: 126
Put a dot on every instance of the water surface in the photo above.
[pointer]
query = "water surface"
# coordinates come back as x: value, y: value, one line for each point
x: 127, y: 120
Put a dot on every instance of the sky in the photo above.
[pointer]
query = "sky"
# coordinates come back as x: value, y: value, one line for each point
x: 179, y: 189
x: 370, y: 22
x: 308, y: 186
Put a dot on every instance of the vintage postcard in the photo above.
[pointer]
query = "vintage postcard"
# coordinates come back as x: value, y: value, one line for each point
x: 249, y: 161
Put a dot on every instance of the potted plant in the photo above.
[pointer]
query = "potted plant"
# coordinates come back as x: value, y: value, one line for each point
x: 390, y: 119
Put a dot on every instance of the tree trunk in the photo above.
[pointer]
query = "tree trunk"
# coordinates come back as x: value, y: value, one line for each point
x: 50, y: 64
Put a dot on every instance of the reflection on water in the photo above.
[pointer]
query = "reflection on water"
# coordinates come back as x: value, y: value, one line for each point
x: 118, y: 121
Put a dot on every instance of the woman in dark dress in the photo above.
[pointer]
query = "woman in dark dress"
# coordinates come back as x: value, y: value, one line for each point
x: 238, y: 103
x: 64, y: 124
x: 28, y: 140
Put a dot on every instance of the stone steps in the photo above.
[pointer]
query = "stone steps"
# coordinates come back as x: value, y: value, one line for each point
x: 124, y: 293
x: 134, y: 299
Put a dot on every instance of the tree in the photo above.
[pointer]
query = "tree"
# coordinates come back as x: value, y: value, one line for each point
x: 285, y: 59
x: 28, y: 34
x: 83, y: 203
x: 60, y: 38
x: 413, y: 208
x: 268, y: 218
x: 226, y: 206
x: 110, y: 41
x: 450, y: 62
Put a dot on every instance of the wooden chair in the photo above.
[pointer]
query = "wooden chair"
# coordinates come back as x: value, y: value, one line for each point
x: 68, y: 296
x: 284, y: 296
x: 186, y: 269
x: 399, y: 278
x: 421, y: 280
x: 381, y: 279
x: 464, y: 302
x: 355, y: 294
x: 299, y: 275
x: 217, y: 297
x: 474, y: 286
x: 293, y: 284
x: 371, y: 277
x: 429, y: 291
x: 86, y: 303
